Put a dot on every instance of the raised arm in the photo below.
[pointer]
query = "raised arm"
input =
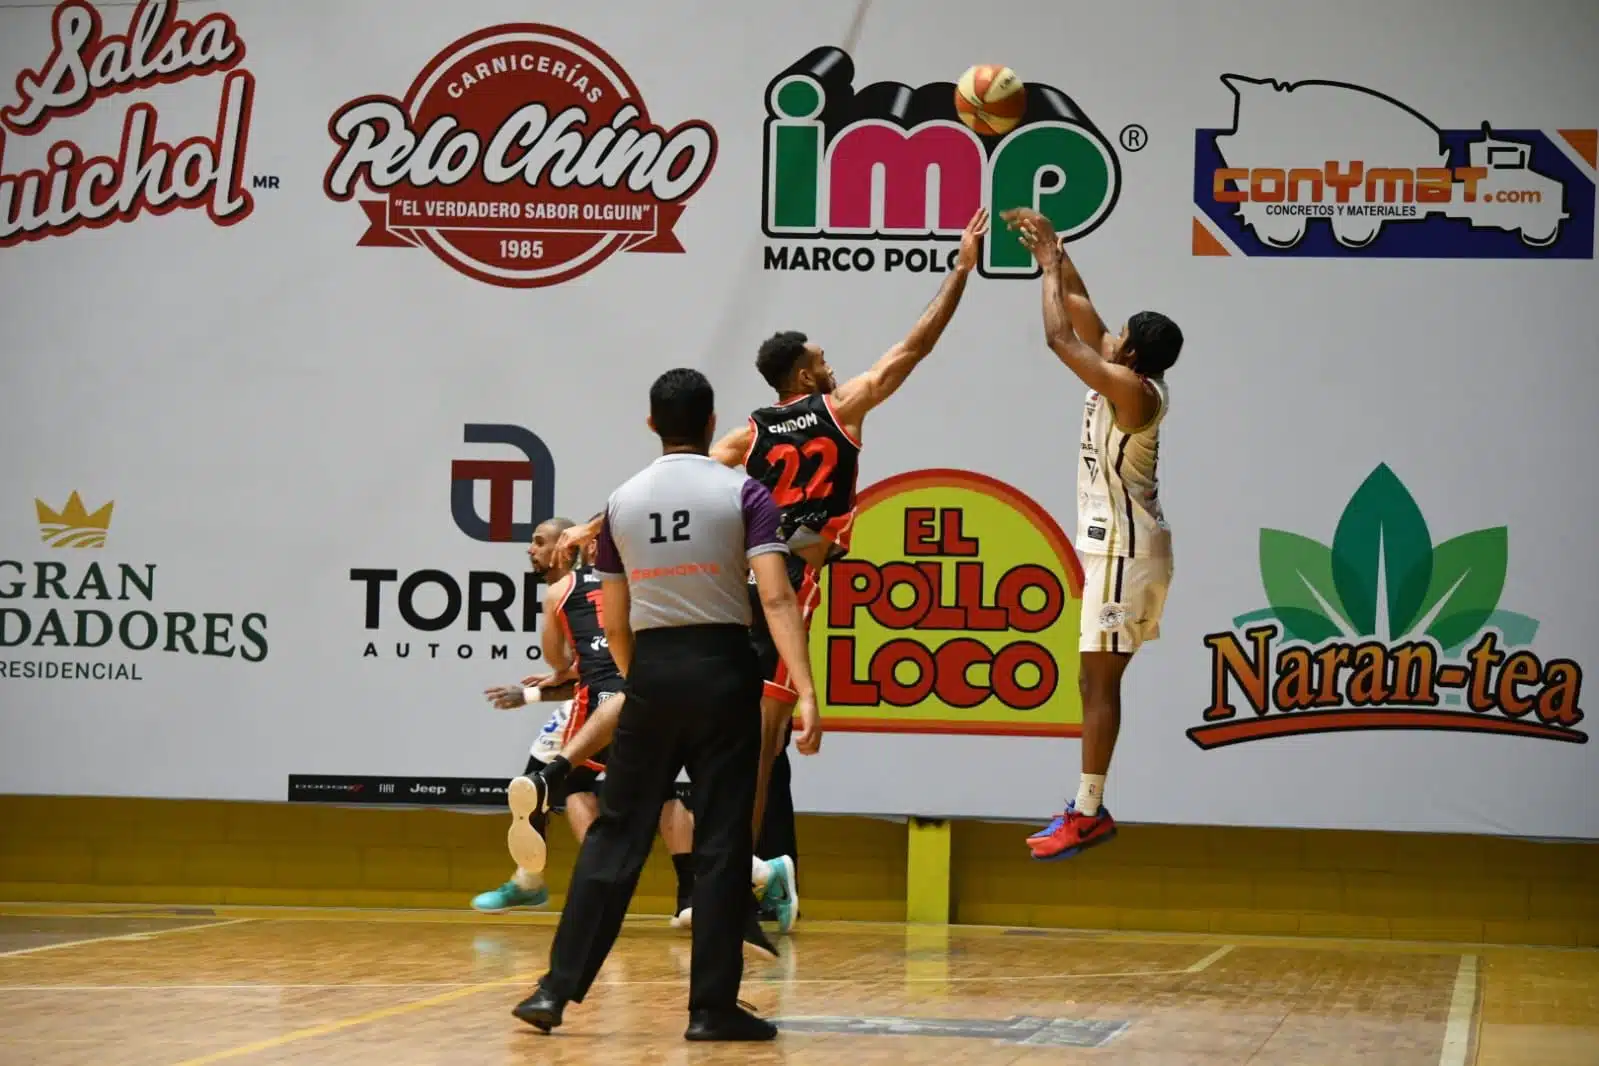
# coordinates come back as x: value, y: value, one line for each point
x: 731, y: 449
x: 616, y: 604
x: 1133, y: 398
x: 1085, y: 319
x: 859, y: 395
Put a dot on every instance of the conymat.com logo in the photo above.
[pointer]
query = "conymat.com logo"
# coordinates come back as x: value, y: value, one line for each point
x: 1386, y: 630
x: 1324, y: 168
x: 522, y: 156
x: 827, y: 143
x: 60, y: 615
x: 66, y: 188
x: 956, y: 612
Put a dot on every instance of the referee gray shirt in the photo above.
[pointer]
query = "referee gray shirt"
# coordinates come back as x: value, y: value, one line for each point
x: 682, y: 531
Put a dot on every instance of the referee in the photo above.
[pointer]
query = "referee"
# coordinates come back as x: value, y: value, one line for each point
x: 678, y: 541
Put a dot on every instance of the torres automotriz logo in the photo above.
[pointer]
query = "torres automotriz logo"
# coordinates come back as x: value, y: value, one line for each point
x: 522, y: 155
x: 1385, y: 630
x: 1325, y: 168
x: 83, y: 607
x: 434, y: 600
x: 67, y: 188
x: 826, y: 143
x: 956, y: 612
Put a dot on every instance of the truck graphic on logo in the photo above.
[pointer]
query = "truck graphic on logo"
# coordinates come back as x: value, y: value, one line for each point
x: 1323, y: 168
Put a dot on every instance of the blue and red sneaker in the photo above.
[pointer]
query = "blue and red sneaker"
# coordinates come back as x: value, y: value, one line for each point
x: 1075, y: 832
x: 1054, y: 824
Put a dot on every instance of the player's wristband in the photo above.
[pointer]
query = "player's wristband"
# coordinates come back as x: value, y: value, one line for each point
x: 532, y: 694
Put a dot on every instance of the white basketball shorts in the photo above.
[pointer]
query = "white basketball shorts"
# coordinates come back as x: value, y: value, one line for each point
x: 1123, y: 600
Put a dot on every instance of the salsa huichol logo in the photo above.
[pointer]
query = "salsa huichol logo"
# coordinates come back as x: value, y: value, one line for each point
x: 1384, y: 629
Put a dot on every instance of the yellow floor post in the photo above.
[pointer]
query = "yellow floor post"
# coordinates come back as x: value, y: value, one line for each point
x: 927, y: 872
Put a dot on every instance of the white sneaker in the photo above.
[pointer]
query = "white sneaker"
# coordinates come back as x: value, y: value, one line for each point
x: 526, y: 797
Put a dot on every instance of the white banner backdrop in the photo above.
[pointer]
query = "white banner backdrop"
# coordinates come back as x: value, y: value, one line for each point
x: 294, y: 351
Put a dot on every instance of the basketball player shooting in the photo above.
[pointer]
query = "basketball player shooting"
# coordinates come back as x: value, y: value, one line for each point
x: 805, y: 449
x: 1122, y: 535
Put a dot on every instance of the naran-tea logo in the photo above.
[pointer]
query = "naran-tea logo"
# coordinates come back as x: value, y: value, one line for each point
x: 894, y: 164
x: 72, y: 190
x: 1385, y: 630
x: 521, y: 156
x: 955, y: 612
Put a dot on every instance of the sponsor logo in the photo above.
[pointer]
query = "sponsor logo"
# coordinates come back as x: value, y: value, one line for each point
x: 433, y: 600
x: 1385, y: 630
x: 956, y: 612
x: 151, y: 172
x: 415, y: 792
x: 522, y: 155
x: 1327, y: 168
x: 847, y: 167
x: 82, y: 610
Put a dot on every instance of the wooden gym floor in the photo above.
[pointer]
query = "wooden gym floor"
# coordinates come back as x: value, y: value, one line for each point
x: 186, y: 986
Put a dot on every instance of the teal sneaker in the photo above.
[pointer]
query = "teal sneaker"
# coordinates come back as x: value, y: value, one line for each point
x: 781, y: 894
x: 511, y: 896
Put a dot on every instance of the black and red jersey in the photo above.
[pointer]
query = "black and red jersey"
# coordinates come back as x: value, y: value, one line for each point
x: 801, y: 452
x: 580, y: 614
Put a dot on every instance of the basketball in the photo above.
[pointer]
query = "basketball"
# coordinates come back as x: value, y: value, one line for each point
x: 990, y: 99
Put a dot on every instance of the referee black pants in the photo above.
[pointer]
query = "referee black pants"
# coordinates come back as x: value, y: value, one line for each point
x: 693, y: 700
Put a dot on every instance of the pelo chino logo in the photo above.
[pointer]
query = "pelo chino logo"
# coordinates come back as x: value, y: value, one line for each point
x: 521, y: 156
x: 1386, y: 630
x: 146, y: 174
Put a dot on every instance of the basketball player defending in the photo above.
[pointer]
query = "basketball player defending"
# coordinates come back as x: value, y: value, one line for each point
x: 1122, y: 535
x: 574, y: 644
x: 805, y: 449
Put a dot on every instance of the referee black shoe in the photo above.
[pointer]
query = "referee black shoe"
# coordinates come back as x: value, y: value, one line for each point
x: 733, y: 1024
x: 542, y: 1010
x: 756, y: 941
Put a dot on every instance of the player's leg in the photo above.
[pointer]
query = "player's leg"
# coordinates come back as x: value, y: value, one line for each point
x: 1123, y: 600
x: 779, y: 875
x: 677, y: 830
x: 582, y: 801
x: 526, y: 888
x: 594, y: 733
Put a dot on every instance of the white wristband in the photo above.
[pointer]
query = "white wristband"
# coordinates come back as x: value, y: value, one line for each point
x: 532, y: 695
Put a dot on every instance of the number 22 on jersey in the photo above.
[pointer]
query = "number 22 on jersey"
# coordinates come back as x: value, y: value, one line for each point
x: 822, y: 450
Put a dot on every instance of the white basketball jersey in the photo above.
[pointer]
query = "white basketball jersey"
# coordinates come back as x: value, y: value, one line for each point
x: 1118, y: 492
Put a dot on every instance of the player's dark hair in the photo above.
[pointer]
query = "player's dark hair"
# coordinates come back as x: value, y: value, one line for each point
x: 681, y: 404
x: 778, y: 356
x: 1155, y: 342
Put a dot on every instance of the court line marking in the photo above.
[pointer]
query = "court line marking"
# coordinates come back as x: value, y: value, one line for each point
x: 1462, y: 1011
x: 143, y: 934
x: 1214, y: 957
x: 419, y: 985
x: 352, y: 1021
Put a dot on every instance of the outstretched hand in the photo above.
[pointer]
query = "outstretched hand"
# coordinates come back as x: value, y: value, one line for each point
x: 1036, y: 232
x: 971, y: 238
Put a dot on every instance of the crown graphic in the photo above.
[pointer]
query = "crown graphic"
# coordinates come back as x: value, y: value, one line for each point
x: 73, y: 526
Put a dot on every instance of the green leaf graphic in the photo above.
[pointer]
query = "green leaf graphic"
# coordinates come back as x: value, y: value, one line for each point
x: 1517, y: 629
x: 1468, y: 575
x: 1291, y: 567
x: 1382, y: 521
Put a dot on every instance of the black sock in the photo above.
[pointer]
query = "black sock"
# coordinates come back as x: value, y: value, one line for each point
x: 684, y: 865
x: 555, y: 771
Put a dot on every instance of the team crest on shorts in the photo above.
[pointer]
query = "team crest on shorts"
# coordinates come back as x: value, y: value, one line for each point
x: 1112, y: 616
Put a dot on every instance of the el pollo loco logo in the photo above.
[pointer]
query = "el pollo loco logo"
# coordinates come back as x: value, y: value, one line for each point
x: 522, y: 156
x: 88, y: 65
x: 956, y: 613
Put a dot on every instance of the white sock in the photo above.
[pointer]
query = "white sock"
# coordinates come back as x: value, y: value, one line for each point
x: 1090, y: 790
x: 527, y: 882
x: 760, y: 873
